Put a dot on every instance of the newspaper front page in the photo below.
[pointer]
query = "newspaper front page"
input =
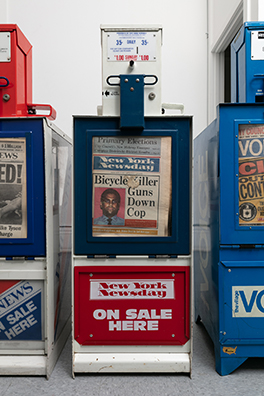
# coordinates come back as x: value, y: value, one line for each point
x: 131, y: 186
x: 13, y: 187
x: 251, y: 175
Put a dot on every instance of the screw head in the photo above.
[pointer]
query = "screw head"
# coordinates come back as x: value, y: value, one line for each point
x: 6, y: 97
x: 152, y: 96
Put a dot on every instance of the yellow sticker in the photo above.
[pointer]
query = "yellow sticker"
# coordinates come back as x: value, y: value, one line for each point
x: 229, y: 350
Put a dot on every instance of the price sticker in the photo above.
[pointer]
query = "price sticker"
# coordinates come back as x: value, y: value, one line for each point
x: 127, y: 46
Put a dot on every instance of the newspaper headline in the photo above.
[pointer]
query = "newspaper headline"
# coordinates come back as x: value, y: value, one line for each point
x: 13, y: 185
x: 251, y: 174
x: 131, y: 186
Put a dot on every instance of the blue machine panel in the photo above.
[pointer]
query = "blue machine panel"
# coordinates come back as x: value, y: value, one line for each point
x: 132, y: 101
x: 241, y: 303
x: 22, y: 194
x: 135, y: 214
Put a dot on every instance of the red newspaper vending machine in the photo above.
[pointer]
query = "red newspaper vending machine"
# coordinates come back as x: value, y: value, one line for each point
x: 35, y: 219
x: 132, y: 261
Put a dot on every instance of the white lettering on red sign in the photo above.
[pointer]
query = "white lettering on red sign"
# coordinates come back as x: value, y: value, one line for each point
x: 148, y: 324
x: 127, y: 289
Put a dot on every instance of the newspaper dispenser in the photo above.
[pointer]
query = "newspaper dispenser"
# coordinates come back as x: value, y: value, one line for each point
x: 35, y: 220
x: 229, y: 213
x: 247, y: 56
x: 132, y: 218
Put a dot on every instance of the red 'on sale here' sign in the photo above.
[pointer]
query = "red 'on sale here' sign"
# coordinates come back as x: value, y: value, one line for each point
x: 132, y: 305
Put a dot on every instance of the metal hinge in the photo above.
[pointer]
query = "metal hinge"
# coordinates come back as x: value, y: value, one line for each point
x: 101, y: 256
x: 162, y: 256
x: 20, y: 258
x: 251, y: 246
x: 242, y: 246
x: 229, y: 246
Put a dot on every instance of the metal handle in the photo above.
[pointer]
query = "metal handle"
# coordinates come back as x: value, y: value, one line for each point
x: 173, y: 106
x: 32, y: 111
x: 113, y: 76
x: 144, y: 75
x: 7, y: 82
x: 151, y: 75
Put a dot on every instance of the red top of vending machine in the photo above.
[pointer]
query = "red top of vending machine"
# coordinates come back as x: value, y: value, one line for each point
x: 16, y: 75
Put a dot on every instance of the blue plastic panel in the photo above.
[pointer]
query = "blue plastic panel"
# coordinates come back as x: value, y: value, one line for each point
x: 206, y: 226
x: 240, y: 302
x: 178, y: 241
x: 33, y: 243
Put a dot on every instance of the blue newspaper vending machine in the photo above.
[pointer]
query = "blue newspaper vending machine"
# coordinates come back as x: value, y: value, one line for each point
x: 132, y: 262
x: 35, y: 221
x: 247, y: 56
x: 35, y: 245
x: 229, y: 212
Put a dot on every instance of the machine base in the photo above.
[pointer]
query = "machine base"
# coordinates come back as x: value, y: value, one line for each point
x: 227, y: 365
x: 23, y: 365
x: 229, y: 357
x: 32, y: 364
x: 132, y: 363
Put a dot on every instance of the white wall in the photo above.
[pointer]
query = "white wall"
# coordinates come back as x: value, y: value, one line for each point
x: 261, y: 11
x: 220, y: 14
x: 65, y: 35
x: 225, y: 17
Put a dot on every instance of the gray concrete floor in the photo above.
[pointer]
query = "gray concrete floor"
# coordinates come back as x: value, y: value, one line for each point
x: 247, y: 380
